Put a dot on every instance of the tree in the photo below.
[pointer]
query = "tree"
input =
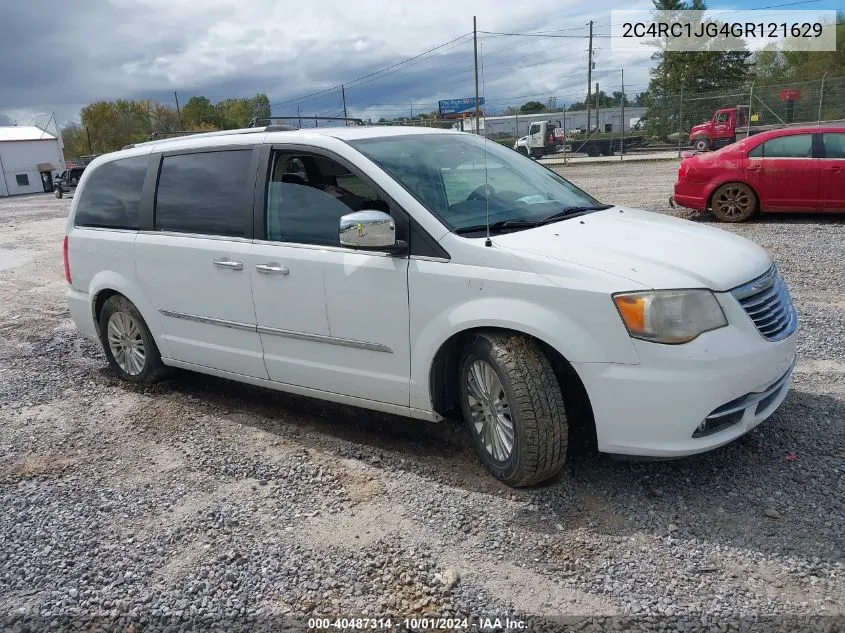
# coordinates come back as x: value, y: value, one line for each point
x: 198, y: 111
x: 674, y: 72
x: 75, y: 141
x: 532, y: 106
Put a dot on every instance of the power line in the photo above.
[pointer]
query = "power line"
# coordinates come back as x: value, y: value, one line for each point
x: 377, y: 72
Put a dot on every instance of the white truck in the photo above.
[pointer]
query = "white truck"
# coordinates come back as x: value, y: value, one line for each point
x: 544, y: 137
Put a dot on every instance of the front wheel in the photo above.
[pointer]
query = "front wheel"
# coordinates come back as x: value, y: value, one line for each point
x: 734, y: 202
x: 701, y: 143
x: 58, y: 192
x: 128, y: 343
x: 513, y: 405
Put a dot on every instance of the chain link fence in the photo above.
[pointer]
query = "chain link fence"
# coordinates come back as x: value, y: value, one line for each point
x: 662, y: 125
x: 670, y: 118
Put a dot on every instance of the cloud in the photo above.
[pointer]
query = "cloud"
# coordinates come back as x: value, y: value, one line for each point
x: 102, y: 49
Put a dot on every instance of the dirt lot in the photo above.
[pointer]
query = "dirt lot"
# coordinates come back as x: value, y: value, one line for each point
x: 203, y: 502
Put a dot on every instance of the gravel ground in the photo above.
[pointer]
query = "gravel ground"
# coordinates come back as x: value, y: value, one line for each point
x: 200, y: 503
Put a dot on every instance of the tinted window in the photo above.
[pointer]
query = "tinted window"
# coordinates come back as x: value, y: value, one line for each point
x: 203, y: 193
x: 308, y: 194
x: 757, y: 152
x: 834, y: 145
x: 794, y: 146
x: 112, y: 193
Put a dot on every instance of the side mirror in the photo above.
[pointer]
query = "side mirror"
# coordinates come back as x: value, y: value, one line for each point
x: 368, y: 230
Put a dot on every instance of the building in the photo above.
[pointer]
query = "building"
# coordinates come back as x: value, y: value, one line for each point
x: 609, y: 120
x: 30, y: 159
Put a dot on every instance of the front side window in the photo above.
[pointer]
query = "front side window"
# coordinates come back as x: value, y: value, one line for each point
x: 112, y: 194
x: 792, y: 146
x: 204, y: 193
x: 722, y: 117
x: 834, y: 145
x: 460, y: 177
x: 307, y: 195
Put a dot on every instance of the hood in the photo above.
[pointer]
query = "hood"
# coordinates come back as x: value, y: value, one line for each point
x: 651, y: 249
x: 701, y: 127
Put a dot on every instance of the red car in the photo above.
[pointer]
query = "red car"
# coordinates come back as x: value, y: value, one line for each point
x: 790, y: 169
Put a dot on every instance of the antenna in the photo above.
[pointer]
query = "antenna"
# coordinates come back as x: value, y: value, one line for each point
x: 487, y: 242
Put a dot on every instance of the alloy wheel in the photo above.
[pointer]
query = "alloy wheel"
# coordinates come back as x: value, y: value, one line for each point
x: 489, y: 410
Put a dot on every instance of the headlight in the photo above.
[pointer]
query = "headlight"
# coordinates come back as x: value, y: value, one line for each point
x: 669, y: 316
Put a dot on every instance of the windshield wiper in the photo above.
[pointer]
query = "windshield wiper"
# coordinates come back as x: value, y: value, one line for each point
x: 569, y: 212
x: 522, y: 223
x: 500, y: 225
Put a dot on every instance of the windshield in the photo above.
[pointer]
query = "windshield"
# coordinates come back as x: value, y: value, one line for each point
x: 456, y: 177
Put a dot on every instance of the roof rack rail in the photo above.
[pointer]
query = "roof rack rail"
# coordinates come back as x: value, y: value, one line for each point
x: 256, y: 121
x: 156, y: 135
x: 174, y: 136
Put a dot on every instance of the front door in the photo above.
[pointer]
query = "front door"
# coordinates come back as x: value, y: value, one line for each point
x: 47, y: 181
x: 784, y: 173
x: 832, y: 168
x: 194, y: 265
x: 330, y: 318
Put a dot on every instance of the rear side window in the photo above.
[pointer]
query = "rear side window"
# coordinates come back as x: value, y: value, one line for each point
x: 793, y: 146
x: 203, y: 193
x: 112, y: 194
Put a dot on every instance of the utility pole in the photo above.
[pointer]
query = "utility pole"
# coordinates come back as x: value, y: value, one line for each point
x: 598, y: 104
x: 343, y: 92
x: 475, y: 59
x: 298, y: 119
x: 622, y: 142
x: 178, y: 111
x: 88, y: 134
x: 589, y: 74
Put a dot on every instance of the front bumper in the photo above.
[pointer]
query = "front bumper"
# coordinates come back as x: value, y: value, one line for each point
x: 687, y: 399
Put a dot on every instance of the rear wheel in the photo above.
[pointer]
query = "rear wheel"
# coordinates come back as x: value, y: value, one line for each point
x: 513, y: 405
x: 128, y: 343
x: 734, y: 202
x: 58, y: 192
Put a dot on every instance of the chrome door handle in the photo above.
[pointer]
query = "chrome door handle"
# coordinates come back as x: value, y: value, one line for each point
x: 272, y: 269
x: 228, y: 263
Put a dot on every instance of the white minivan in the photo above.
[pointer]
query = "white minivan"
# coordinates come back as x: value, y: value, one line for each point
x: 430, y: 274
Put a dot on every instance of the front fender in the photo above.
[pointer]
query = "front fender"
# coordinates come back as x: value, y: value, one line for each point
x: 572, y: 339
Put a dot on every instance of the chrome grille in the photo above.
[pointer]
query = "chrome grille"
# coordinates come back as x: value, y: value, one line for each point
x: 767, y: 301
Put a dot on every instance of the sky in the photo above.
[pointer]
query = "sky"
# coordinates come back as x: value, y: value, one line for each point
x: 58, y: 55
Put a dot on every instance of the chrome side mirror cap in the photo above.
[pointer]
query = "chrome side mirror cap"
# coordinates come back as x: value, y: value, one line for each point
x: 368, y: 230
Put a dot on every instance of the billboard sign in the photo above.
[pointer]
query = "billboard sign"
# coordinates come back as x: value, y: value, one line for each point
x: 454, y: 107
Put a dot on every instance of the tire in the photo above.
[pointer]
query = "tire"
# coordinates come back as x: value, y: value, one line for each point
x: 592, y: 150
x: 522, y: 151
x: 509, y: 385
x: 58, y: 193
x: 734, y: 202
x: 700, y: 143
x: 122, y: 326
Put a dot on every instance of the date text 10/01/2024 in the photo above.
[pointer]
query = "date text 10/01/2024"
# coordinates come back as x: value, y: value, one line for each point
x: 417, y: 624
